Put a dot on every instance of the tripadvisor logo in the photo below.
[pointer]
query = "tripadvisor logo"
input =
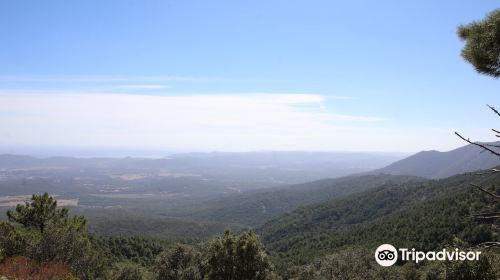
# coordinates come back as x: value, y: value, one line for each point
x: 387, y: 255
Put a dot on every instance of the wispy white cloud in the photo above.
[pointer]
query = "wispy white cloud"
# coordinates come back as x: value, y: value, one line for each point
x: 203, y: 122
x: 356, y: 118
x: 105, y: 78
x: 216, y: 121
x: 142, y: 87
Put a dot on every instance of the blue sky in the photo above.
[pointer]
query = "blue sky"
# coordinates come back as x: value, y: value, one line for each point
x: 241, y: 75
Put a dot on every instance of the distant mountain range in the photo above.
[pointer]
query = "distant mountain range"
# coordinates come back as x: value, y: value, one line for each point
x: 435, y: 165
x: 287, y: 166
x: 266, y: 167
x: 252, y: 209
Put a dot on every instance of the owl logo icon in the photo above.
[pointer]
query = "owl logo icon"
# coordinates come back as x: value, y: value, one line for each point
x: 386, y: 255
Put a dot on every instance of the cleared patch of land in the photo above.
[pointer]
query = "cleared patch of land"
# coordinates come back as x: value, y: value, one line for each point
x: 164, y: 173
x: 137, y: 195
x: 13, y: 200
x: 129, y: 177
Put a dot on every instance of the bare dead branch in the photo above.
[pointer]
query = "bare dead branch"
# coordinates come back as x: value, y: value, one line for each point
x: 496, y: 131
x: 486, y: 245
x: 485, y: 191
x: 494, y: 170
x: 485, y: 217
x: 494, y: 110
x: 478, y: 144
x: 485, y: 213
x: 492, y: 145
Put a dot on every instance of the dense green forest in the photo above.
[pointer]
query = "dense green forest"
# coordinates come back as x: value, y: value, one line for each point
x: 42, y: 241
x: 335, y: 214
x: 253, y: 209
x: 334, y: 239
x: 427, y: 216
x: 129, y: 223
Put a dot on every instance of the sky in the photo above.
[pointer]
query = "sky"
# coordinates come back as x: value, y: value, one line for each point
x: 240, y: 75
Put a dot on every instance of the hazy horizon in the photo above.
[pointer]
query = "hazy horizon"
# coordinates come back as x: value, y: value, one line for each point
x: 82, y: 152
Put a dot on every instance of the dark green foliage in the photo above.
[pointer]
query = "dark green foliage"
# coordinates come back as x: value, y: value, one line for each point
x: 68, y: 244
x: 358, y: 264
x: 347, y: 264
x: 424, y: 216
x: 12, y: 241
x: 134, y: 223
x: 466, y: 270
x: 180, y: 263
x: 136, y: 249
x: 256, y: 208
x: 228, y: 256
x: 49, y: 234
x: 65, y: 240
x: 240, y: 257
x: 130, y: 271
x: 351, y: 264
x: 38, y: 213
x: 482, y: 44
x: 63, y: 245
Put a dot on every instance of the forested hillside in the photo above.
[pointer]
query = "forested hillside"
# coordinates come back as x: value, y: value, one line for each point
x: 427, y: 215
x: 255, y: 208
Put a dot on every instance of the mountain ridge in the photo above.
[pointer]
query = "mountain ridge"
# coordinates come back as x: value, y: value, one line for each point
x: 435, y: 165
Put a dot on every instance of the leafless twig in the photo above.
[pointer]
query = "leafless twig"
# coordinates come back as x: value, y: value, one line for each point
x: 494, y: 170
x: 486, y: 245
x: 486, y: 217
x: 492, y: 145
x: 478, y: 144
x: 485, y: 213
x: 494, y: 110
x: 496, y: 131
